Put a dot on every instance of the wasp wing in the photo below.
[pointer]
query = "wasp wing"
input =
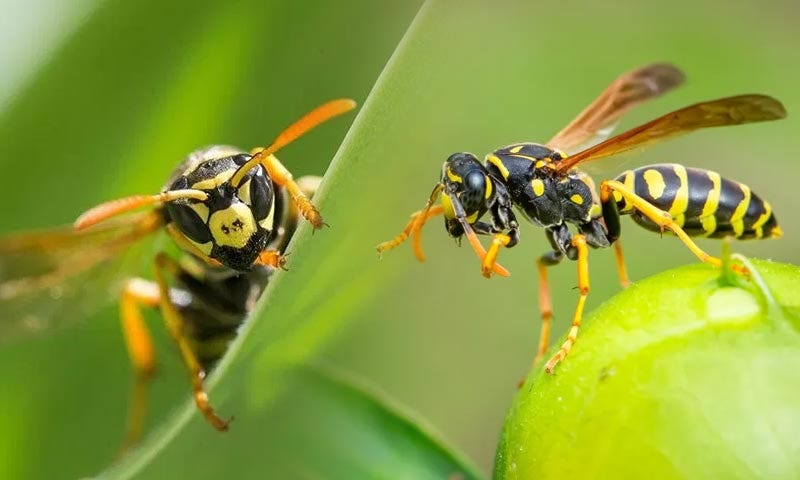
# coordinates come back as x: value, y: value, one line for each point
x: 736, y: 110
x: 596, y: 122
x: 50, y: 277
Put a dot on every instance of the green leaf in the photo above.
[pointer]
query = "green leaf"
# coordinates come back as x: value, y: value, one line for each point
x: 331, y: 426
x: 680, y: 376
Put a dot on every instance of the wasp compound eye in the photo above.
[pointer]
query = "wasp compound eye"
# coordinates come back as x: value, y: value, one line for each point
x: 472, y: 197
x: 191, y: 219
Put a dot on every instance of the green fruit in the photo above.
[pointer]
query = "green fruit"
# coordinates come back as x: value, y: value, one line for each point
x: 688, y: 374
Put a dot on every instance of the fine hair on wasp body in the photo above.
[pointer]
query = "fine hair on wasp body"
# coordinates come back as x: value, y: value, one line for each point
x: 543, y: 183
x: 231, y: 213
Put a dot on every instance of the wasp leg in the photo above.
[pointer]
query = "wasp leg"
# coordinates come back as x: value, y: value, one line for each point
x: 136, y: 294
x: 545, y: 305
x: 490, y: 259
x: 271, y: 258
x: 624, y: 281
x: 283, y: 178
x: 659, y: 217
x: 175, y: 326
x: 579, y: 242
x: 413, y: 228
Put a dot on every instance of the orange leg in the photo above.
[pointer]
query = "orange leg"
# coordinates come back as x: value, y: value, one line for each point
x: 661, y: 218
x: 621, y: 270
x: 175, y: 324
x: 283, y: 178
x: 490, y: 259
x: 579, y: 242
x: 271, y: 258
x: 136, y: 294
x: 546, y: 309
x: 413, y: 228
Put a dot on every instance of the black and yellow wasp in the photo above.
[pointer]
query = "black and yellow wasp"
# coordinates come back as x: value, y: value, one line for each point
x: 543, y: 183
x: 231, y: 212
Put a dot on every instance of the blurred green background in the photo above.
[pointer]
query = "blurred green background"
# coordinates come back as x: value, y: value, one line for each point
x: 107, y: 96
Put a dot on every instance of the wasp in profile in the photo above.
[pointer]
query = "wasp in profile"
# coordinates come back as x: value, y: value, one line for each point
x: 545, y: 185
x: 231, y: 212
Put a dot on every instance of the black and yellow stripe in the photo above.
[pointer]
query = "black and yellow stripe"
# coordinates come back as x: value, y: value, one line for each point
x: 700, y: 201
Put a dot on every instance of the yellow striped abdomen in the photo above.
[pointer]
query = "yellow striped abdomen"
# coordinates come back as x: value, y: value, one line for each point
x: 700, y: 201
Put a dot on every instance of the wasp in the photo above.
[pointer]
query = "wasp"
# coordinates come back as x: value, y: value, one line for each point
x: 230, y: 212
x: 543, y: 183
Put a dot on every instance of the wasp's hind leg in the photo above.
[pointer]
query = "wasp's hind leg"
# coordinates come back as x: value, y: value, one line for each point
x: 611, y: 191
x: 136, y: 294
x: 175, y: 325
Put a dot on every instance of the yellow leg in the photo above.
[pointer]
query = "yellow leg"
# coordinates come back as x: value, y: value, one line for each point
x: 413, y: 228
x: 621, y: 269
x: 136, y: 294
x: 283, y: 178
x: 579, y: 242
x: 661, y: 218
x: 174, y: 322
x: 490, y: 259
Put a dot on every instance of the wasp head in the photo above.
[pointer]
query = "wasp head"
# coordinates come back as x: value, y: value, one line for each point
x: 235, y: 222
x: 466, y: 190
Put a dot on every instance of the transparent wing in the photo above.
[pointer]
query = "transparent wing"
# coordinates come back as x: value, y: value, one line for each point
x: 52, y: 277
x: 716, y: 113
x: 597, y: 121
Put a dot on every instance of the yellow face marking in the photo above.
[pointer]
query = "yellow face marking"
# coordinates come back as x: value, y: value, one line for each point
x: 489, y: 188
x: 737, y: 221
x: 681, y: 200
x: 233, y: 226
x: 576, y: 199
x: 269, y: 222
x: 215, y: 182
x: 712, y: 200
x: 764, y: 216
x: 538, y: 187
x: 655, y: 183
x: 244, y: 192
x: 447, y: 206
x: 516, y: 149
x: 494, y: 160
x: 595, y: 211
x: 201, y: 210
x: 452, y: 176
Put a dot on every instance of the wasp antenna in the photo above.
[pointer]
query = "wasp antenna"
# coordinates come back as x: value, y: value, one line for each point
x: 119, y: 206
x: 319, y: 115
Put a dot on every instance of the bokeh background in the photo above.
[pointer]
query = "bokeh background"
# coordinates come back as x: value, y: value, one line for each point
x: 102, y: 98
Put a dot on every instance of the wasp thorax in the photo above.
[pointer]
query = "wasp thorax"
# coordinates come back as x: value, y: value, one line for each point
x: 235, y: 222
